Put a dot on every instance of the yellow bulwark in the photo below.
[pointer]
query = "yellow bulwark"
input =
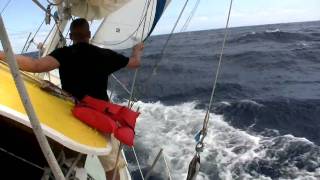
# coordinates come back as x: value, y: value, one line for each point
x: 55, y: 116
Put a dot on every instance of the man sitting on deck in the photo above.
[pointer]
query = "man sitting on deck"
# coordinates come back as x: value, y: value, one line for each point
x: 84, y: 70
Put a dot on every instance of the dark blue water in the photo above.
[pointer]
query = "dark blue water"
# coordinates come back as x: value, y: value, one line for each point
x: 269, y: 87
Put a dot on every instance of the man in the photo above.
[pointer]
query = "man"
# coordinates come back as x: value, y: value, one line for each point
x: 84, y: 70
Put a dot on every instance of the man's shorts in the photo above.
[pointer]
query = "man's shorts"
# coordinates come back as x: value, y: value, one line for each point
x: 109, y: 161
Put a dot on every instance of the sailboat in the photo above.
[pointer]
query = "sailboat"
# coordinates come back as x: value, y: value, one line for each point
x: 34, y: 112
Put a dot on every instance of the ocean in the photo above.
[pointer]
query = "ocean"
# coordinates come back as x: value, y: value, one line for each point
x: 265, y: 122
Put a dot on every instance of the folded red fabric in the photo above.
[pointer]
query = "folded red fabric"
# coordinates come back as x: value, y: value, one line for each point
x: 127, y: 117
x: 108, y: 118
x: 101, y: 105
x: 95, y: 119
x: 125, y: 135
x: 122, y: 114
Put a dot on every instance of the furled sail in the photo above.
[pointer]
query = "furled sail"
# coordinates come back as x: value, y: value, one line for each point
x: 130, y: 24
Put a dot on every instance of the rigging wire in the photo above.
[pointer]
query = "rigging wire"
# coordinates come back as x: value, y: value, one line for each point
x: 56, y: 23
x: 194, y: 165
x: 143, y: 19
x: 186, y: 24
x: 21, y: 159
x: 25, y: 44
x: 219, y: 67
x: 135, y: 75
x: 150, y: 18
x: 136, y: 157
x: 155, y: 66
x: 49, y: 16
x: 169, y: 38
x: 136, y: 71
x: 5, y: 6
x: 167, y: 166
x: 35, y: 34
x: 48, y: 35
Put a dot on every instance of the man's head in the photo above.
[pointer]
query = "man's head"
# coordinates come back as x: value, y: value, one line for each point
x: 79, y: 31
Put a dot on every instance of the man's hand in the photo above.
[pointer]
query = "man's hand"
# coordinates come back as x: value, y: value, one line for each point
x: 134, y: 61
x: 139, y: 47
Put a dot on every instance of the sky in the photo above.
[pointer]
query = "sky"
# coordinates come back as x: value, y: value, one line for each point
x: 22, y: 16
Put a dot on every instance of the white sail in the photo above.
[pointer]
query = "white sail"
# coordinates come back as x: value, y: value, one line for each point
x: 95, y: 9
x: 130, y: 24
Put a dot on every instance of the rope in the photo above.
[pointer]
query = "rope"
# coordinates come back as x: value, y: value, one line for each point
x: 129, y: 102
x: 21, y: 159
x: 199, y: 146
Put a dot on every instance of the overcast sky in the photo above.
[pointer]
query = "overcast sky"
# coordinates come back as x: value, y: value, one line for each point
x: 22, y: 16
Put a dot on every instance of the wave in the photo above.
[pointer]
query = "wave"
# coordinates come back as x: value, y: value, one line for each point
x: 274, y: 35
x: 288, y: 116
x: 282, y: 157
x: 230, y: 152
x: 263, y: 60
x: 272, y: 30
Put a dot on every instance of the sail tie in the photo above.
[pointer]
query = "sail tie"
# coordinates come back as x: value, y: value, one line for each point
x: 203, y: 132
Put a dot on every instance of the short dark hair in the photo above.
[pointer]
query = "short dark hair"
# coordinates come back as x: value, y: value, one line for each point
x: 80, y: 22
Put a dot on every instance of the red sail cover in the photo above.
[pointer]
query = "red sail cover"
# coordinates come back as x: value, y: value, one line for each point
x: 108, y: 118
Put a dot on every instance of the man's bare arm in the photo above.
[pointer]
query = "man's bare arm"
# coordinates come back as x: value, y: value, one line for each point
x: 29, y: 64
x: 134, y: 61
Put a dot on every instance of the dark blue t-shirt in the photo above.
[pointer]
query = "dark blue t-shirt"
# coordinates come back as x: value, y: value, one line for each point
x: 84, y: 69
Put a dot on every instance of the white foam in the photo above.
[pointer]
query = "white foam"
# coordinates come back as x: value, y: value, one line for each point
x: 272, y: 30
x: 227, y: 149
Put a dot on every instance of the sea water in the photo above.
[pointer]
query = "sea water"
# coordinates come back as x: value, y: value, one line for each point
x: 265, y: 122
